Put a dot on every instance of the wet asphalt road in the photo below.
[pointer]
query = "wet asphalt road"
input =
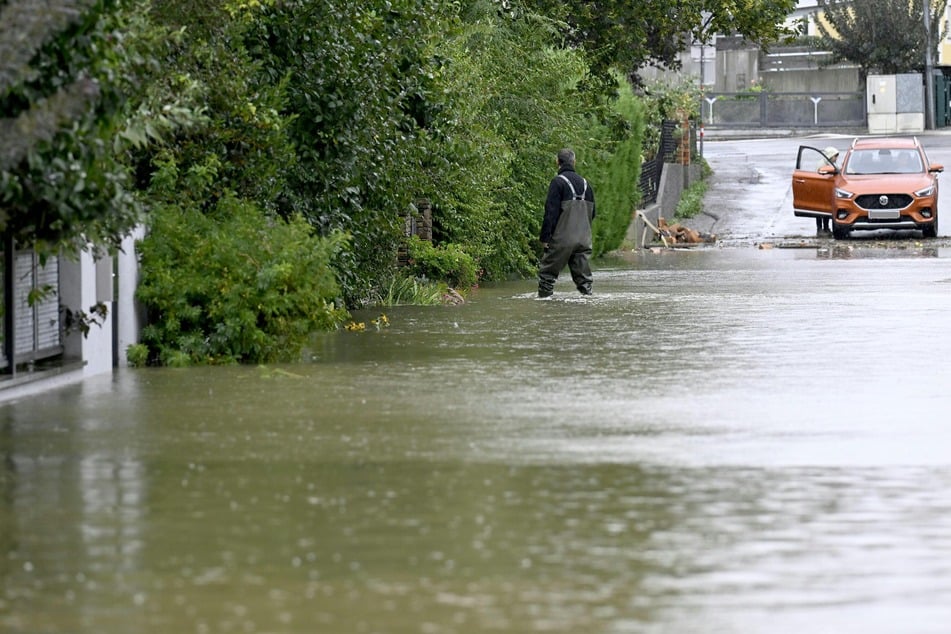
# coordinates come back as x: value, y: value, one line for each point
x: 749, y: 197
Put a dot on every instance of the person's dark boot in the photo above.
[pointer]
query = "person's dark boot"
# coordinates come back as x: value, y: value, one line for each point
x: 543, y: 293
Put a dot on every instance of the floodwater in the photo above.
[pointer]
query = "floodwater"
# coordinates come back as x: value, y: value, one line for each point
x: 719, y: 441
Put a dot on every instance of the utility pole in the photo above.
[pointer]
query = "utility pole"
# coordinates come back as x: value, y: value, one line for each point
x: 700, y: 131
x: 929, y: 69
x: 701, y: 37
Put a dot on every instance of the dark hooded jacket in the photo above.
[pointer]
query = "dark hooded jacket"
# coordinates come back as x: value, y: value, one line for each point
x: 558, y: 192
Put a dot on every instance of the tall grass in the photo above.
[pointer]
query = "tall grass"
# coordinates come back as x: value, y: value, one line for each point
x: 408, y: 290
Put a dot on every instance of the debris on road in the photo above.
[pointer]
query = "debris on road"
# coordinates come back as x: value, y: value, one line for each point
x: 675, y: 234
x: 679, y: 234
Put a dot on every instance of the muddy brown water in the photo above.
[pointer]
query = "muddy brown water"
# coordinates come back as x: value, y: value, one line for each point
x: 725, y: 441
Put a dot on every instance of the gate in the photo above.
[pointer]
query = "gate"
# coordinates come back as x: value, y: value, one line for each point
x: 942, y: 99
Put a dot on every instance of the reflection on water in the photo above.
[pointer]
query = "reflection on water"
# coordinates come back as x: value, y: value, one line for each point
x: 888, y: 251
x: 715, y: 442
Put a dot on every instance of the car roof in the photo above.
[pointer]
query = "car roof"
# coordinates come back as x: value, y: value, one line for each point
x: 878, y: 143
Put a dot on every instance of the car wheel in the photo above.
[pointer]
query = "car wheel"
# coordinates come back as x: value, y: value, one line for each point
x: 930, y: 231
x: 840, y: 232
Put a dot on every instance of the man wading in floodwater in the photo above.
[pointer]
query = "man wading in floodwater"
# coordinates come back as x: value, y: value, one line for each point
x: 566, y: 229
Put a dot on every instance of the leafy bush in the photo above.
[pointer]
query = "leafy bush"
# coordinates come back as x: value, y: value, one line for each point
x: 137, y: 355
x: 241, y: 145
x: 62, y: 76
x: 359, y: 82
x: 345, y: 113
x: 510, y: 101
x: 665, y: 101
x: 446, y: 262
x: 234, y: 285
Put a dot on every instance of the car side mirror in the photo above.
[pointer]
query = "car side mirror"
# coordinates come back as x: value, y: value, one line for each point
x: 828, y: 170
x: 935, y: 168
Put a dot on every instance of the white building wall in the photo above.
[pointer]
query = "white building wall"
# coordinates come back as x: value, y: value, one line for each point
x: 79, y: 291
x: 130, y: 316
x: 84, y: 282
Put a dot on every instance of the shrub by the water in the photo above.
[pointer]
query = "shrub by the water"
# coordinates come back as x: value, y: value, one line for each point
x: 235, y: 285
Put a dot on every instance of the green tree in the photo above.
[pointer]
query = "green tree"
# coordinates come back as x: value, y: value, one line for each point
x: 236, y: 142
x: 360, y: 78
x: 512, y: 101
x: 228, y: 275
x: 666, y: 101
x: 885, y: 36
x: 618, y: 177
x: 63, y: 76
x: 630, y: 35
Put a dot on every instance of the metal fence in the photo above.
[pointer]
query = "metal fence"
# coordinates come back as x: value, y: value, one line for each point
x: 788, y: 109
x: 651, y: 170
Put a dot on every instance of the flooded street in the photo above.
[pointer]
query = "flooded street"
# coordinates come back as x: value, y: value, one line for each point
x: 718, y: 441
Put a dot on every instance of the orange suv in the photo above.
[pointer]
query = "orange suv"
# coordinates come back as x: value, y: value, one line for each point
x: 882, y: 183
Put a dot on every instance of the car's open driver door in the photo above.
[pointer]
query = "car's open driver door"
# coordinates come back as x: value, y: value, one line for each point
x: 813, y: 191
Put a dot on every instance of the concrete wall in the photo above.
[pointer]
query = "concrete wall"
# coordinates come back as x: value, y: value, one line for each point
x: 737, y: 67
x: 737, y: 70
x: 819, y: 80
x: 804, y: 69
x: 112, y: 281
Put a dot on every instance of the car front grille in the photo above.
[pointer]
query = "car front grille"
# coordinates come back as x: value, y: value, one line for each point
x: 874, y: 201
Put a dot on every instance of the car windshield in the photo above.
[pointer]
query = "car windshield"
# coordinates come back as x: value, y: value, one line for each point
x: 884, y: 161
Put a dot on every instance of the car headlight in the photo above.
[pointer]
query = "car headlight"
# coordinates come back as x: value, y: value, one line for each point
x: 842, y: 193
x: 927, y: 191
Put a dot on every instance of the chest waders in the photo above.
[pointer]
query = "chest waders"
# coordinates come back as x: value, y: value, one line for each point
x: 570, y: 244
